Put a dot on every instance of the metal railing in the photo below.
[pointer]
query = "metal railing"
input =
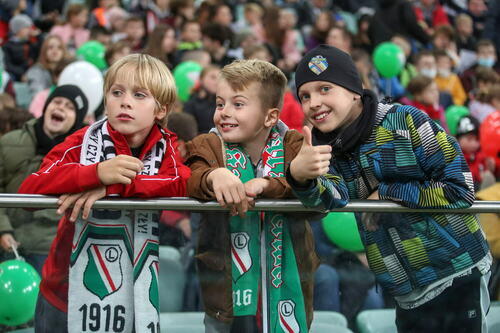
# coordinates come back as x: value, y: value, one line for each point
x: 41, y: 201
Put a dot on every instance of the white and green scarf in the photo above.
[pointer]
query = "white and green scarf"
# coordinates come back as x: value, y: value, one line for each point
x: 262, y: 251
x: 113, y: 276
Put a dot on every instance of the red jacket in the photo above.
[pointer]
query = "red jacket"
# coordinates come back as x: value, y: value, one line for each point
x: 439, y: 16
x: 61, y: 172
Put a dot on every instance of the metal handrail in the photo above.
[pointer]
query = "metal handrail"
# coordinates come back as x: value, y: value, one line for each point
x: 42, y: 201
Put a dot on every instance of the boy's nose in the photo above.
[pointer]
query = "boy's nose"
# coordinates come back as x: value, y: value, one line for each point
x: 125, y: 101
x: 315, y: 101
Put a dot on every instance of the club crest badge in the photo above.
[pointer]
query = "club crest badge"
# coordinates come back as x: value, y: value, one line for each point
x: 318, y: 64
x: 103, y: 267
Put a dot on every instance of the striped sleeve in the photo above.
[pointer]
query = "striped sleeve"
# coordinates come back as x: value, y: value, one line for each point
x: 448, y: 182
x: 325, y: 192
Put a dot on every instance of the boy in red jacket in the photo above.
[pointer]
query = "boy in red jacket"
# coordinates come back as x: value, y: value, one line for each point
x: 102, y: 269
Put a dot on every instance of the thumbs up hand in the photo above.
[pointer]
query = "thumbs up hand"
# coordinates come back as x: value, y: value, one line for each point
x: 311, y: 161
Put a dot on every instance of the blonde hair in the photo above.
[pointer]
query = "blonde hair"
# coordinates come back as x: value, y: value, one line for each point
x: 240, y: 73
x: 149, y: 73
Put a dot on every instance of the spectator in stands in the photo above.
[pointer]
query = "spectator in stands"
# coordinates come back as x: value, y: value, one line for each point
x: 73, y: 32
x: 425, y: 97
x: 135, y: 33
x: 324, y: 22
x: 9, y: 9
x: 447, y: 80
x: 190, y: 37
x: 340, y: 37
x: 443, y: 39
x: 481, y: 166
x: 11, y: 118
x: 396, y: 17
x: 477, y: 10
x: 7, y: 84
x: 362, y: 39
x: 117, y: 51
x: 38, y: 102
x: 367, y: 72
x: 249, y: 97
x: 253, y: 14
x: 492, y: 24
x: 162, y: 44
x: 102, y: 35
x: 7, y: 101
x: 221, y: 14
x: 99, y: 16
x: 20, y: 52
x: 486, y: 57
x: 157, y: 12
x: 482, y: 99
x: 216, y: 40
x: 40, y: 75
x: 201, y: 103
x: 21, y: 153
x: 464, y: 30
x: 430, y: 15
x: 409, y: 71
x: 359, y: 145
x: 135, y: 157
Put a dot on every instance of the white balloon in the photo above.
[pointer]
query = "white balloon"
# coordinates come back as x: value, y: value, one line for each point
x: 88, y: 78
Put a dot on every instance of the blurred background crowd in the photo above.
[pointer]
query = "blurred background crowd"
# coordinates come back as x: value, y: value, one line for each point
x: 438, y: 55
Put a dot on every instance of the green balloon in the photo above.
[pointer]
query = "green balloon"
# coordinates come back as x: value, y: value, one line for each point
x: 186, y: 74
x: 342, y: 230
x: 388, y: 59
x: 19, y: 284
x: 453, y: 115
x: 93, y: 52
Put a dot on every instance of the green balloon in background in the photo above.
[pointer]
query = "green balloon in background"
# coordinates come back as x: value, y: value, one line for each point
x: 342, y: 230
x: 186, y: 74
x: 93, y: 52
x: 453, y: 115
x: 19, y: 285
x: 388, y: 59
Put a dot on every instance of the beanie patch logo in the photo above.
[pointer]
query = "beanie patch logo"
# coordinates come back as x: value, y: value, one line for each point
x: 318, y: 64
x: 79, y: 102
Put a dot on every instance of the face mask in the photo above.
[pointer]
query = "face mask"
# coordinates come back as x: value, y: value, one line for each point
x: 429, y: 72
x: 486, y: 62
x: 444, y: 72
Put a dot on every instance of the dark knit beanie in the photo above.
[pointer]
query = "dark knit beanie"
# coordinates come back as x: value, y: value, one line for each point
x: 76, y: 96
x: 466, y: 125
x: 328, y: 63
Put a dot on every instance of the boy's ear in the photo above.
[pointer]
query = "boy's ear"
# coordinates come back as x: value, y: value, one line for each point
x: 272, y: 117
x: 161, y: 112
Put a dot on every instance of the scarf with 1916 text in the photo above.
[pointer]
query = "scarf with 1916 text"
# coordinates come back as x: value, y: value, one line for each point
x: 113, y: 276
x: 278, y: 268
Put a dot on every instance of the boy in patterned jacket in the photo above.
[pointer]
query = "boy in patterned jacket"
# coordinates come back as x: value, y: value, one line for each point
x: 436, y: 265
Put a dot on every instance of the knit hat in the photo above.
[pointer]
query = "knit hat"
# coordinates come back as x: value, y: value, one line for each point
x: 466, y: 125
x: 76, y: 96
x: 19, y: 22
x: 328, y: 63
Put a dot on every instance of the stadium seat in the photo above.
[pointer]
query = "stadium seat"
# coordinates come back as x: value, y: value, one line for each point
x: 182, y: 329
x: 493, y: 317
x: 172, y: 280
x: 24, y: 330
x: 328, y: 328
x: 329, y: 317
x: 23, y: 94
x: 377, y: 321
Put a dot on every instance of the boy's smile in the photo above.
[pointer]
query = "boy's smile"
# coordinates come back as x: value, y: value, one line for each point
x: 328, y: 106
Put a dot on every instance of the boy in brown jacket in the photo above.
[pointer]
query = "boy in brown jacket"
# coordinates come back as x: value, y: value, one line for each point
x: 255, y: 268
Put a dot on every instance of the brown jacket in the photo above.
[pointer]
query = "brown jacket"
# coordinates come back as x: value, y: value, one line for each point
x: 205, y: 154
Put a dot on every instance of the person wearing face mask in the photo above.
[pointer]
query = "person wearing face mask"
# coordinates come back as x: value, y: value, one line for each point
x: 21, y: 153
x: 425, y: 64
x: 447, y: 80
x: 486, y: 57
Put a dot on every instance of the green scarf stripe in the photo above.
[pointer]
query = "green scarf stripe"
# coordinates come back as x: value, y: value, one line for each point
x: 151, y: 248
x: 285, y: 301
x: 114, y: 232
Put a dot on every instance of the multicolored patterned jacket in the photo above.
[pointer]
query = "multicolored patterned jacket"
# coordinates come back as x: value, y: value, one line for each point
x: 410, y: 160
